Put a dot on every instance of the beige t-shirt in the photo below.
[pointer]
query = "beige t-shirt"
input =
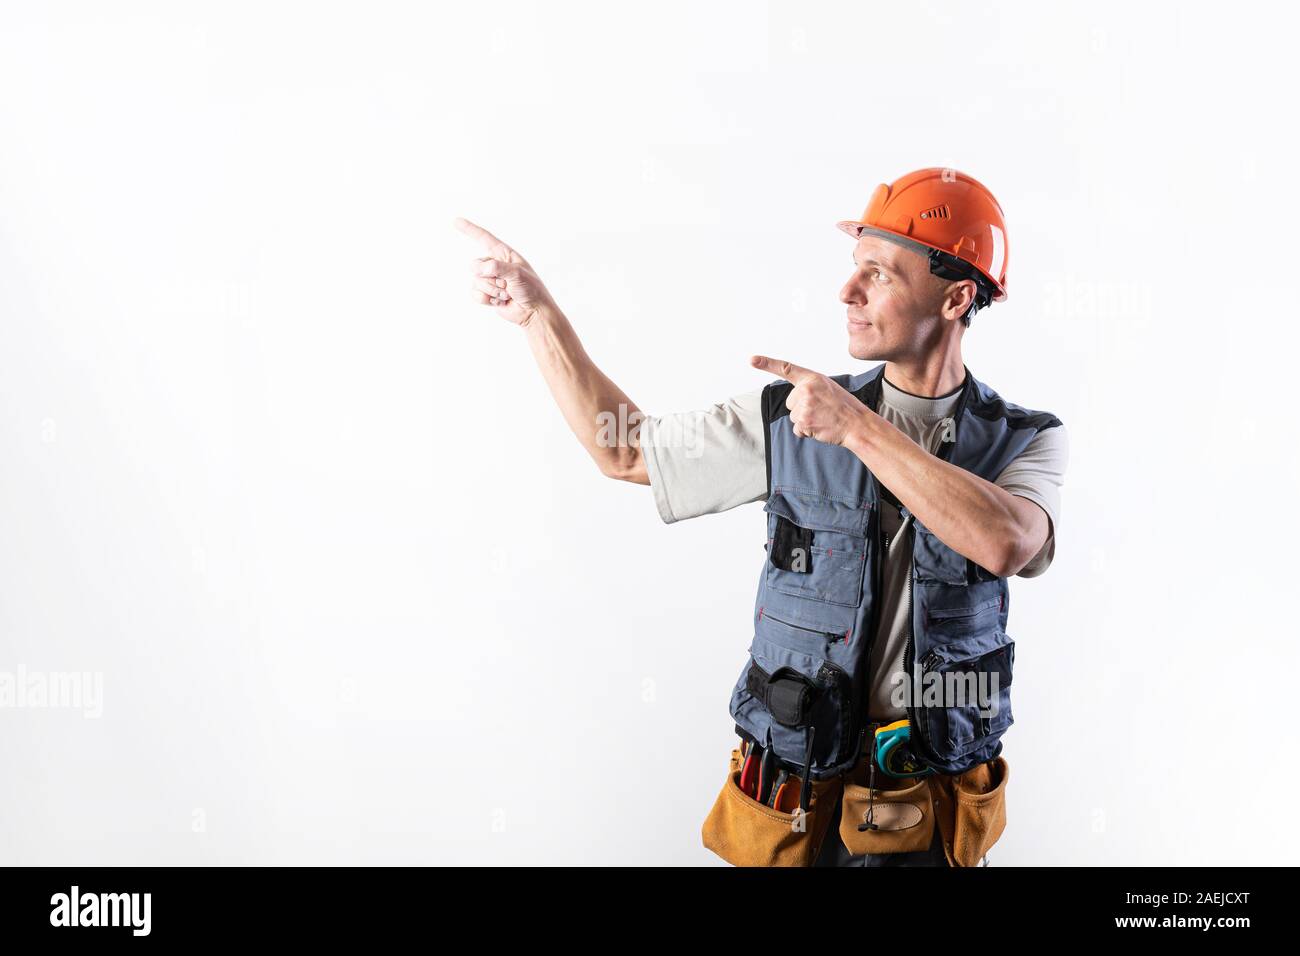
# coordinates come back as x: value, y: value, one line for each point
x: 711, y: 460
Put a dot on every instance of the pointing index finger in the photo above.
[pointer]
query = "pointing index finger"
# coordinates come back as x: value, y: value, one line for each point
x: 495, y: 246
x: 476, y: 232
x: 792, y: 373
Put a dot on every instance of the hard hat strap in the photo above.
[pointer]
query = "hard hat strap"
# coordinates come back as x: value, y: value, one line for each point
x: 947, y: 266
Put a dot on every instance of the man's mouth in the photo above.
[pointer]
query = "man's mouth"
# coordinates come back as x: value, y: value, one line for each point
x: 858, y: 323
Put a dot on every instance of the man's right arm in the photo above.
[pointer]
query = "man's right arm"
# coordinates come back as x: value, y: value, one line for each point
x: 708, y: 460
x: 697, y: 462
x: 600, y: 415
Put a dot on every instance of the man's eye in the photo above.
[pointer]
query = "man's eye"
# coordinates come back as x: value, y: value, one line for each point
x: 881, y: 276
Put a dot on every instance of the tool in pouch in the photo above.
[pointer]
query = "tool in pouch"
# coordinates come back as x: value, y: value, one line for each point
x: 969, y: 808
x: 763, y: 780
x: 892, y: 754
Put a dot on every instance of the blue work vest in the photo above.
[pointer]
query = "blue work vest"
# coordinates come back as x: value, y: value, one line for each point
x: 803, y: 691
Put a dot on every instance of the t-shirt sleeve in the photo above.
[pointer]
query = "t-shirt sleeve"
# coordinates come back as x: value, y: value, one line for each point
x: 1037, y: 473
x: 707, y: 460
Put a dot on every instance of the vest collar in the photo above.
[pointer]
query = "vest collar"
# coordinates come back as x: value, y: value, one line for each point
x: 869, y: 394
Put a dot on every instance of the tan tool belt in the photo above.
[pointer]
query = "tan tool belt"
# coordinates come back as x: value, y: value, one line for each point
x: 745, y: 832
x: 969, y: 809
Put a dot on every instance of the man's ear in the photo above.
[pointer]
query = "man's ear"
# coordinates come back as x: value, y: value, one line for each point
x: 958, y: 298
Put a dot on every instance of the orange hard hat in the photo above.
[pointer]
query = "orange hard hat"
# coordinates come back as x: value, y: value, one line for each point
x: 944, y: 211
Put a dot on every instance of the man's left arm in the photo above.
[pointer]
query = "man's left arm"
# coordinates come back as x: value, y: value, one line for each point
x: 1037, y: 474
x: 1007, y: 526
x: 999, y: 530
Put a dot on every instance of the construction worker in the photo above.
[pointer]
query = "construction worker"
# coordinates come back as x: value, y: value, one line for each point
x: 930, y: 253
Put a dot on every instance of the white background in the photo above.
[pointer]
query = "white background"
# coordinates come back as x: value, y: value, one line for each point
x: 356, y: 594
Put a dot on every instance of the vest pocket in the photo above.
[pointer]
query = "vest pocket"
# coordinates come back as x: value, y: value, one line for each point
x: 935, y: 562
x: 964, y: 621
x: 787, y: 695
x: 817, y: 547
x: 974, y: 678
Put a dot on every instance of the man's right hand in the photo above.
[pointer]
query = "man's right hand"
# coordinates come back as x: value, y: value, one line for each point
x: 503, y: 278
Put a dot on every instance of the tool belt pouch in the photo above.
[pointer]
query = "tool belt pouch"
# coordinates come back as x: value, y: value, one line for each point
x: 745, y: 832
x: 904, y: 818
x: 974, y: 808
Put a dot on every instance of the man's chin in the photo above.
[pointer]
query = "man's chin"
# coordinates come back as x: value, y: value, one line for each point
x: 863, y: 351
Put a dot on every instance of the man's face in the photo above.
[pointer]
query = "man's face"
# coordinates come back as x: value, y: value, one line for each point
x: 893, y: 302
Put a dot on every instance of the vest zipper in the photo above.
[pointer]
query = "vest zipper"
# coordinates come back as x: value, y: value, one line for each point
x: 918, y: 734
x: 921, y: 745
x: 860, y: 706
x: 811, y: 630
x: 907, y: 648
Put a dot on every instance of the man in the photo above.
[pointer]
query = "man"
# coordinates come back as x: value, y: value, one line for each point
x: 931, y: 489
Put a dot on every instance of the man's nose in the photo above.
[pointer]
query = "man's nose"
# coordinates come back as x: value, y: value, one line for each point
x: 853, y: 294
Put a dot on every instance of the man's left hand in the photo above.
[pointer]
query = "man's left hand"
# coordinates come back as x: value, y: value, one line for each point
x: 819, y: 407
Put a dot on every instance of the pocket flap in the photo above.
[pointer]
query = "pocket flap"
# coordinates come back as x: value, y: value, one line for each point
x: 820, y: 512
x: 896, y: 816
x: 973, y: 610
x: 967, y: 649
